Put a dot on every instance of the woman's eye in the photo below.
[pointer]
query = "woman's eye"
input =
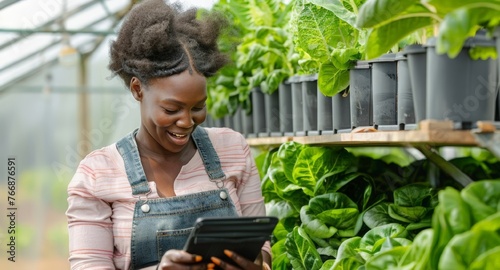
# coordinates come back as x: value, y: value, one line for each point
x: 169, y: 111
x: 199, y: 108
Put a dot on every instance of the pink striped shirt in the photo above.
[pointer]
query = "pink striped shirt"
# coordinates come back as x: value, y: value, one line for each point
x: 101, y: 204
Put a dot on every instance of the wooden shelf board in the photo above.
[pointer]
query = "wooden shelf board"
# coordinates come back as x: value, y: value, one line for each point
x: 381, y: 138
x: 269, y: 141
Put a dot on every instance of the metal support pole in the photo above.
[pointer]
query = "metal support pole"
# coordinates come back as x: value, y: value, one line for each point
x: 83, y: 109
x: 444, y: 165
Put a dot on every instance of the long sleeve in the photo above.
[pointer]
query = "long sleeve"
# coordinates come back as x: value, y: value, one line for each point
x: 89, y: 223
x: 249, y: 191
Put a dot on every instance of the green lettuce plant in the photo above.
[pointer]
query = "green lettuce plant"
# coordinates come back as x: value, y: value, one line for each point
x: 340, y: 210
x: 328, y: 41
x: 379, y: 242
x: 223, y: 95
x: 464, y: 233
x: 412, y: 207
x: 261, y: 51
x: 391, y: 21
x: 265, y: 57
x: 462, y: 19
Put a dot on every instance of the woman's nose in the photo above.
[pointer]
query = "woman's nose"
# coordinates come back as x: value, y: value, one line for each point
x: 186, y: 120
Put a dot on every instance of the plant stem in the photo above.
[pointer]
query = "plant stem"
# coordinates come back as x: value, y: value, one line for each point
x: 354, y: 7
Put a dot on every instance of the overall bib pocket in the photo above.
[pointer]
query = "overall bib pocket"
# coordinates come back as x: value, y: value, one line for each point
x: 171, y: 239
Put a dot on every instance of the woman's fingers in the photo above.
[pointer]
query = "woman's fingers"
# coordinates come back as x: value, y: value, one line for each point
x: 179, y: 259
x: 242, y: 262
x: 181, y: 256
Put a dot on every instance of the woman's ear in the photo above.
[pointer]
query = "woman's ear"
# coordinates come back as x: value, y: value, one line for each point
x: 136, y: 88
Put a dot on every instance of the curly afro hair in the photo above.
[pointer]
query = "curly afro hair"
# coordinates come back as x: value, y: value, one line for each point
x: 159, y: 40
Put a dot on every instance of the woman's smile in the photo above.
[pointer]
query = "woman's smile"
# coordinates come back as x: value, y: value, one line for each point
x: 179, y: 138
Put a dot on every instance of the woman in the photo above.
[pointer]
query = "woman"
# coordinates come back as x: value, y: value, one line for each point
x: 131, y: 203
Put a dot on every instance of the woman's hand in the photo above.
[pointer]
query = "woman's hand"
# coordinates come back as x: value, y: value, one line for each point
x: 180, y: 259
x: 241, y: 263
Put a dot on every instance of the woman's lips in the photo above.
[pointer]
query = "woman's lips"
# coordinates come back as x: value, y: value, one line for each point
x: 179, y: 138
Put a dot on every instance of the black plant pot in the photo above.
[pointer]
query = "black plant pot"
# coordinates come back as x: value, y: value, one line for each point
x: 297, y: 107
x: 360, y: 89
x: 497, y: 110
x: 384, y: 91
x: 286, y: 108
x: 259, y: 113
x: 237, y: 121
x: 496, y: 35
x: 461, y: 89
x: 209, y: 122
x: 325, y: 114
x: 272, y: 110
x: 310, y: 104
x: 417, y: 66
x: 219, y: 122
x: 341, y: 111
x: 406, y: 112
x: 247, y: 123
x: 229, y: 121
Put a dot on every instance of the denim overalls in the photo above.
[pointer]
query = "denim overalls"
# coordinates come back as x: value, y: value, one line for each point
x: 164, y: 223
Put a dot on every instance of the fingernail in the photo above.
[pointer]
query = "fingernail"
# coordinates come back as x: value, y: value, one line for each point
x: 197, y: 258
x: 215, y: 260
x: 210, y: 266
x: 228, y: 253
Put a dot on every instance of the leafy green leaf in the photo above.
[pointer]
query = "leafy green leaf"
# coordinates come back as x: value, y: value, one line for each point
x: 378, y: 215
x: 407, y: 214
x: 344, y: 58
x: 482, y: 198
x: 489, y: 260
x: 280, y: 209
x: 301, y: 251
x: 383, y: 38
x: 413, y: 195
x: 342, y: 218
x: 461, y: 24
x: 451, y: 217
x: 349, y: 248
x: 385, y: 260
x: 280, y: 258
x: 391, y: 243
x: 317, y: 31
x: 277, y: 186
x: 417, y: 257
x: 395, y: 155
x: 424, y: 223
x: 463, y: 249
x: 332, y: 80
x: 340, y: 10
x: 287, y: 156
x: 347, y: 264
x: 491, y: 223
x: 329, y: 213
x: 370, y: 239
x: 377, y: 12
x: 315, y: 162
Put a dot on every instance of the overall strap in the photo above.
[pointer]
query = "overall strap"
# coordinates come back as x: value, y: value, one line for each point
x: 208, y: 155
x: 127, y: 148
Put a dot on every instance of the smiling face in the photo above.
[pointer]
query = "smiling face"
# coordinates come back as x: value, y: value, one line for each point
x: 171, y: 108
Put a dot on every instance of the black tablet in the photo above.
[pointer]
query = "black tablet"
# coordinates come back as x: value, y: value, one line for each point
x: 243, y: 235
